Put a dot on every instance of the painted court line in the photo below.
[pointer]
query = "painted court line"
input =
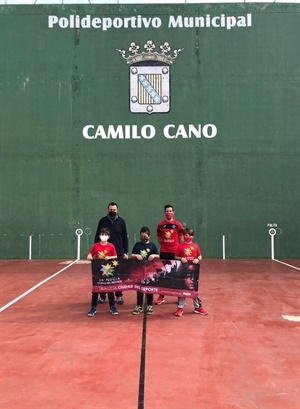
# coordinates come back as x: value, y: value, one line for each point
x: 293, y: 318
x: 36, y: 286
x: 289, y: 265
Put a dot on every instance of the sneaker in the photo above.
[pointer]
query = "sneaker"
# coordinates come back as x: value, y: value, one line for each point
x: 160, y: 300
x: 137, y: 310
x: 120, y: 301
x: 179, y: 312
x: 92, y: 312
x: 101, y: 300
x: 113, y: 310
x: 200, y: 311
x: 149, y: 310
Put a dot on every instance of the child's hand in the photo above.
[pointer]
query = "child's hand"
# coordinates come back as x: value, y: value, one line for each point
x: 151, y: 257
x: 183, y: 260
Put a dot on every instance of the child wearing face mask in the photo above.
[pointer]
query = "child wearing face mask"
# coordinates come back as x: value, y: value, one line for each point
x: 189, y: 252
x: 142, y: 250
x: 106, y: 251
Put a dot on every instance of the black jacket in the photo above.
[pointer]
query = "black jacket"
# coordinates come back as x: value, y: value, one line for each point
x: 118, y: 233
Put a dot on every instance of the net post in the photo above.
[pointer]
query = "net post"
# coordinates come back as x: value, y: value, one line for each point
x: 272, y: 233
x: 78, y: 233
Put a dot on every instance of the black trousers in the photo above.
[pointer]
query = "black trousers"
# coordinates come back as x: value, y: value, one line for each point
x: 167, y: 256
x: 117, y: 294
x: 111, y: 299
x: 140, y: 298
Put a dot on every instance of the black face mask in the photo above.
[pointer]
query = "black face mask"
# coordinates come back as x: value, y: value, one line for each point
x: 144, y: 240
x: 112, y: 214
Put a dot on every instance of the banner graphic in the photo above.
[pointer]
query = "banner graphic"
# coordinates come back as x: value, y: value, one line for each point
x: 168, y: 277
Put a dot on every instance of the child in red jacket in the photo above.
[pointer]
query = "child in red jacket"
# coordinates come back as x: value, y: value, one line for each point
x: 106, y: 251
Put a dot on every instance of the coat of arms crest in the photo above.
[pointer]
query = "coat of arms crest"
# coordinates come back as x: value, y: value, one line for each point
x: 150, y: 75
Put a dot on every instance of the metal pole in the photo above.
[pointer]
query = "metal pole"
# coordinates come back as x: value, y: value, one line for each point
x: 272, y: 233
x: 224, y: 256
x: 78, y: 233
x: 30, y: 247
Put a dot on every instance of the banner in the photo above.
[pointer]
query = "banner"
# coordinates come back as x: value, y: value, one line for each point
x: 168, y: 277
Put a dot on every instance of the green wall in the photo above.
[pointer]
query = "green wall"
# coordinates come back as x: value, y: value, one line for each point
x: 243, y: 80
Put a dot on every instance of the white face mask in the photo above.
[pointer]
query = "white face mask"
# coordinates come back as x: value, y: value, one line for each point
x: 103, y: 238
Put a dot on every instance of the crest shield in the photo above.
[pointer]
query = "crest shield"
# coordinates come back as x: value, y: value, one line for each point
x: 150, y: 76
x: 149, y: 87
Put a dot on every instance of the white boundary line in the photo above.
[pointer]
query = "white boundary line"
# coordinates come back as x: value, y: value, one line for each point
x: 36, y: 286
x: 289, y: 265
x: 292, y: 318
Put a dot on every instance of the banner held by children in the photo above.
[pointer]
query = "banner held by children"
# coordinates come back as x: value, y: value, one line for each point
x: 168, y: 277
